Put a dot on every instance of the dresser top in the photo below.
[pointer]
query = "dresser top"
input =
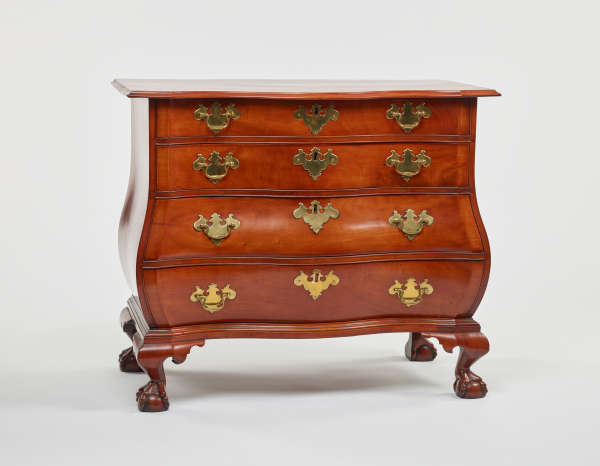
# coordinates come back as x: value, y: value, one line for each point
x: 295, y: 89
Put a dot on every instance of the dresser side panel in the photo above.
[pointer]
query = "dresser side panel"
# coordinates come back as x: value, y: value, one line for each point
x: 480, y: 226
x: 136, y: 200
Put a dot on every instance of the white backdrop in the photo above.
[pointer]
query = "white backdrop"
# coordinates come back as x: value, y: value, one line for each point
x: 65, y: 160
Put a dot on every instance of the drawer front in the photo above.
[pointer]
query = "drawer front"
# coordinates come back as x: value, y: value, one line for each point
x: 270, y: 293
x: 263, y: 226
x: 312, y: 166
x: 246, y: 117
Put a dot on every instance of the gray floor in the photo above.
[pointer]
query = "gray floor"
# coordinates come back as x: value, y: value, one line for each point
x: 347, y: 401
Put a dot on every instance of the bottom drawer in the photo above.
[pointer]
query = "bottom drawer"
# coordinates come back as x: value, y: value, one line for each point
x: 293, y: 293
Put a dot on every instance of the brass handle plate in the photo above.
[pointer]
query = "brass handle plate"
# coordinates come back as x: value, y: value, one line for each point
x: 315, y: 162
x: 316, y: 282
x: 213, y: 299
x: 410, y: 223
x: 315, y: 216
x: 408, y: 164
x: 411, y: 293
x: 217, y: 119
x: 216, y: 167
x: 216, y: 228
x: 316, y: 118
x: 409, y: 117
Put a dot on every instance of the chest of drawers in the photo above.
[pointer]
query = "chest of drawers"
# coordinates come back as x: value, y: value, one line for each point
x: 301, y: 209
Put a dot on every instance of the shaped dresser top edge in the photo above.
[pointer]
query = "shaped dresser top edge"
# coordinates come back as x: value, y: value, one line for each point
x: 296, y: 89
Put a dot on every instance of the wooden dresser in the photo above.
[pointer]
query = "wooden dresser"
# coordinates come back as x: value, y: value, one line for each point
x: 301, y: 209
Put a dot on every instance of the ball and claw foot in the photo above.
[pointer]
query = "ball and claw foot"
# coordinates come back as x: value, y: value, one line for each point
x: 418, y: 348
x: 127, y: 361
x: 152, y: 397
x: 469, y: 385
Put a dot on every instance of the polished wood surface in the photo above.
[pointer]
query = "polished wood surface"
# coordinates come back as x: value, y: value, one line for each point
x: 270, y: 166
x: 297, y: 89
x: 268, y: 228
x: 266, y: 293
x: 260, y: 259
x: 175, y: 118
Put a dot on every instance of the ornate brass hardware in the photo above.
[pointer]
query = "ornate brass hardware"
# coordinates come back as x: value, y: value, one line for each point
x: 212, y: 299
x: 216, y: 167
x: 315, y: 162
x: 316, y: 283
x: 408, y: 166
x: 410, y: 293
x: 316, y: 118
x: 410, y: 224
x: 215, y: 228
x: 218, y: 118
x: 315, y: 216
x: 408, y: 118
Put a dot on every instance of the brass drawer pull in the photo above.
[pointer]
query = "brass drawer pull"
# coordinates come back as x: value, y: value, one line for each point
x: 408, y: 118
x: 316, y: 282
x: 410, y: 293
x: 408, y: 165
x: 409, y: 223
x: 216, y: 228
x: 316, y: 118
x: 315, y: 162
x: 218, y: 118
x: 212, y: 299
x: 315, y: 216
x: 216, y: 167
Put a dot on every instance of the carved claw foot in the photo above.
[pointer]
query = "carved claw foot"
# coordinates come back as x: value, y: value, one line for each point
x: 418, y: 348
x: 152, y: 397
x: 469, y: 385
x: 127, y: 361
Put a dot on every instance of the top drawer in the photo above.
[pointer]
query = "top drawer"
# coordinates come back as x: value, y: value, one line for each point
x: 247, y: 117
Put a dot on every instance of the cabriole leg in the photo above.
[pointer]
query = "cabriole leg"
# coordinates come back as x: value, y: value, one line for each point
x: 152, y: 397
x: 418, y: 348
x: 127, y: 361
x: 473, y: 346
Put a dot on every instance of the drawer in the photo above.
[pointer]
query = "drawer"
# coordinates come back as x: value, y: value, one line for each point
x: 312, y: 166
x: 267, y: 226
x: 280, y: 293
x: 247, y: 117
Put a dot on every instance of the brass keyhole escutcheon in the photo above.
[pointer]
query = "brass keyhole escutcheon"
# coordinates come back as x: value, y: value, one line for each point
x: 218, y: 118
x: 314, y: 162
x: 315, y: 215
x: 411, y: 293
x: 408, y: 164
x: 316, y: 282
x: 316, y: 118
x: 216, y: 167
x: 410, y: 223
x: 213, y: 299
x: 408, y: 118
x: 216, y: 228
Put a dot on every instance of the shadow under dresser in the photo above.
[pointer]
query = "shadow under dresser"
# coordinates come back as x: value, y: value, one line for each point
x: 301, y: 209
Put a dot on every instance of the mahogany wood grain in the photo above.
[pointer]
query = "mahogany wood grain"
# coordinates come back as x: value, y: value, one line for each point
x: 175, y: 118
x: 268, y: 227
x: 266, y: 293
x: 270, y: 166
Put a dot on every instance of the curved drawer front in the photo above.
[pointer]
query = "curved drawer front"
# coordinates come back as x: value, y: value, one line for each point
x: 300, y: 166
x: 180, y: 296
x: 262, y: 226
x: 246, y: 117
